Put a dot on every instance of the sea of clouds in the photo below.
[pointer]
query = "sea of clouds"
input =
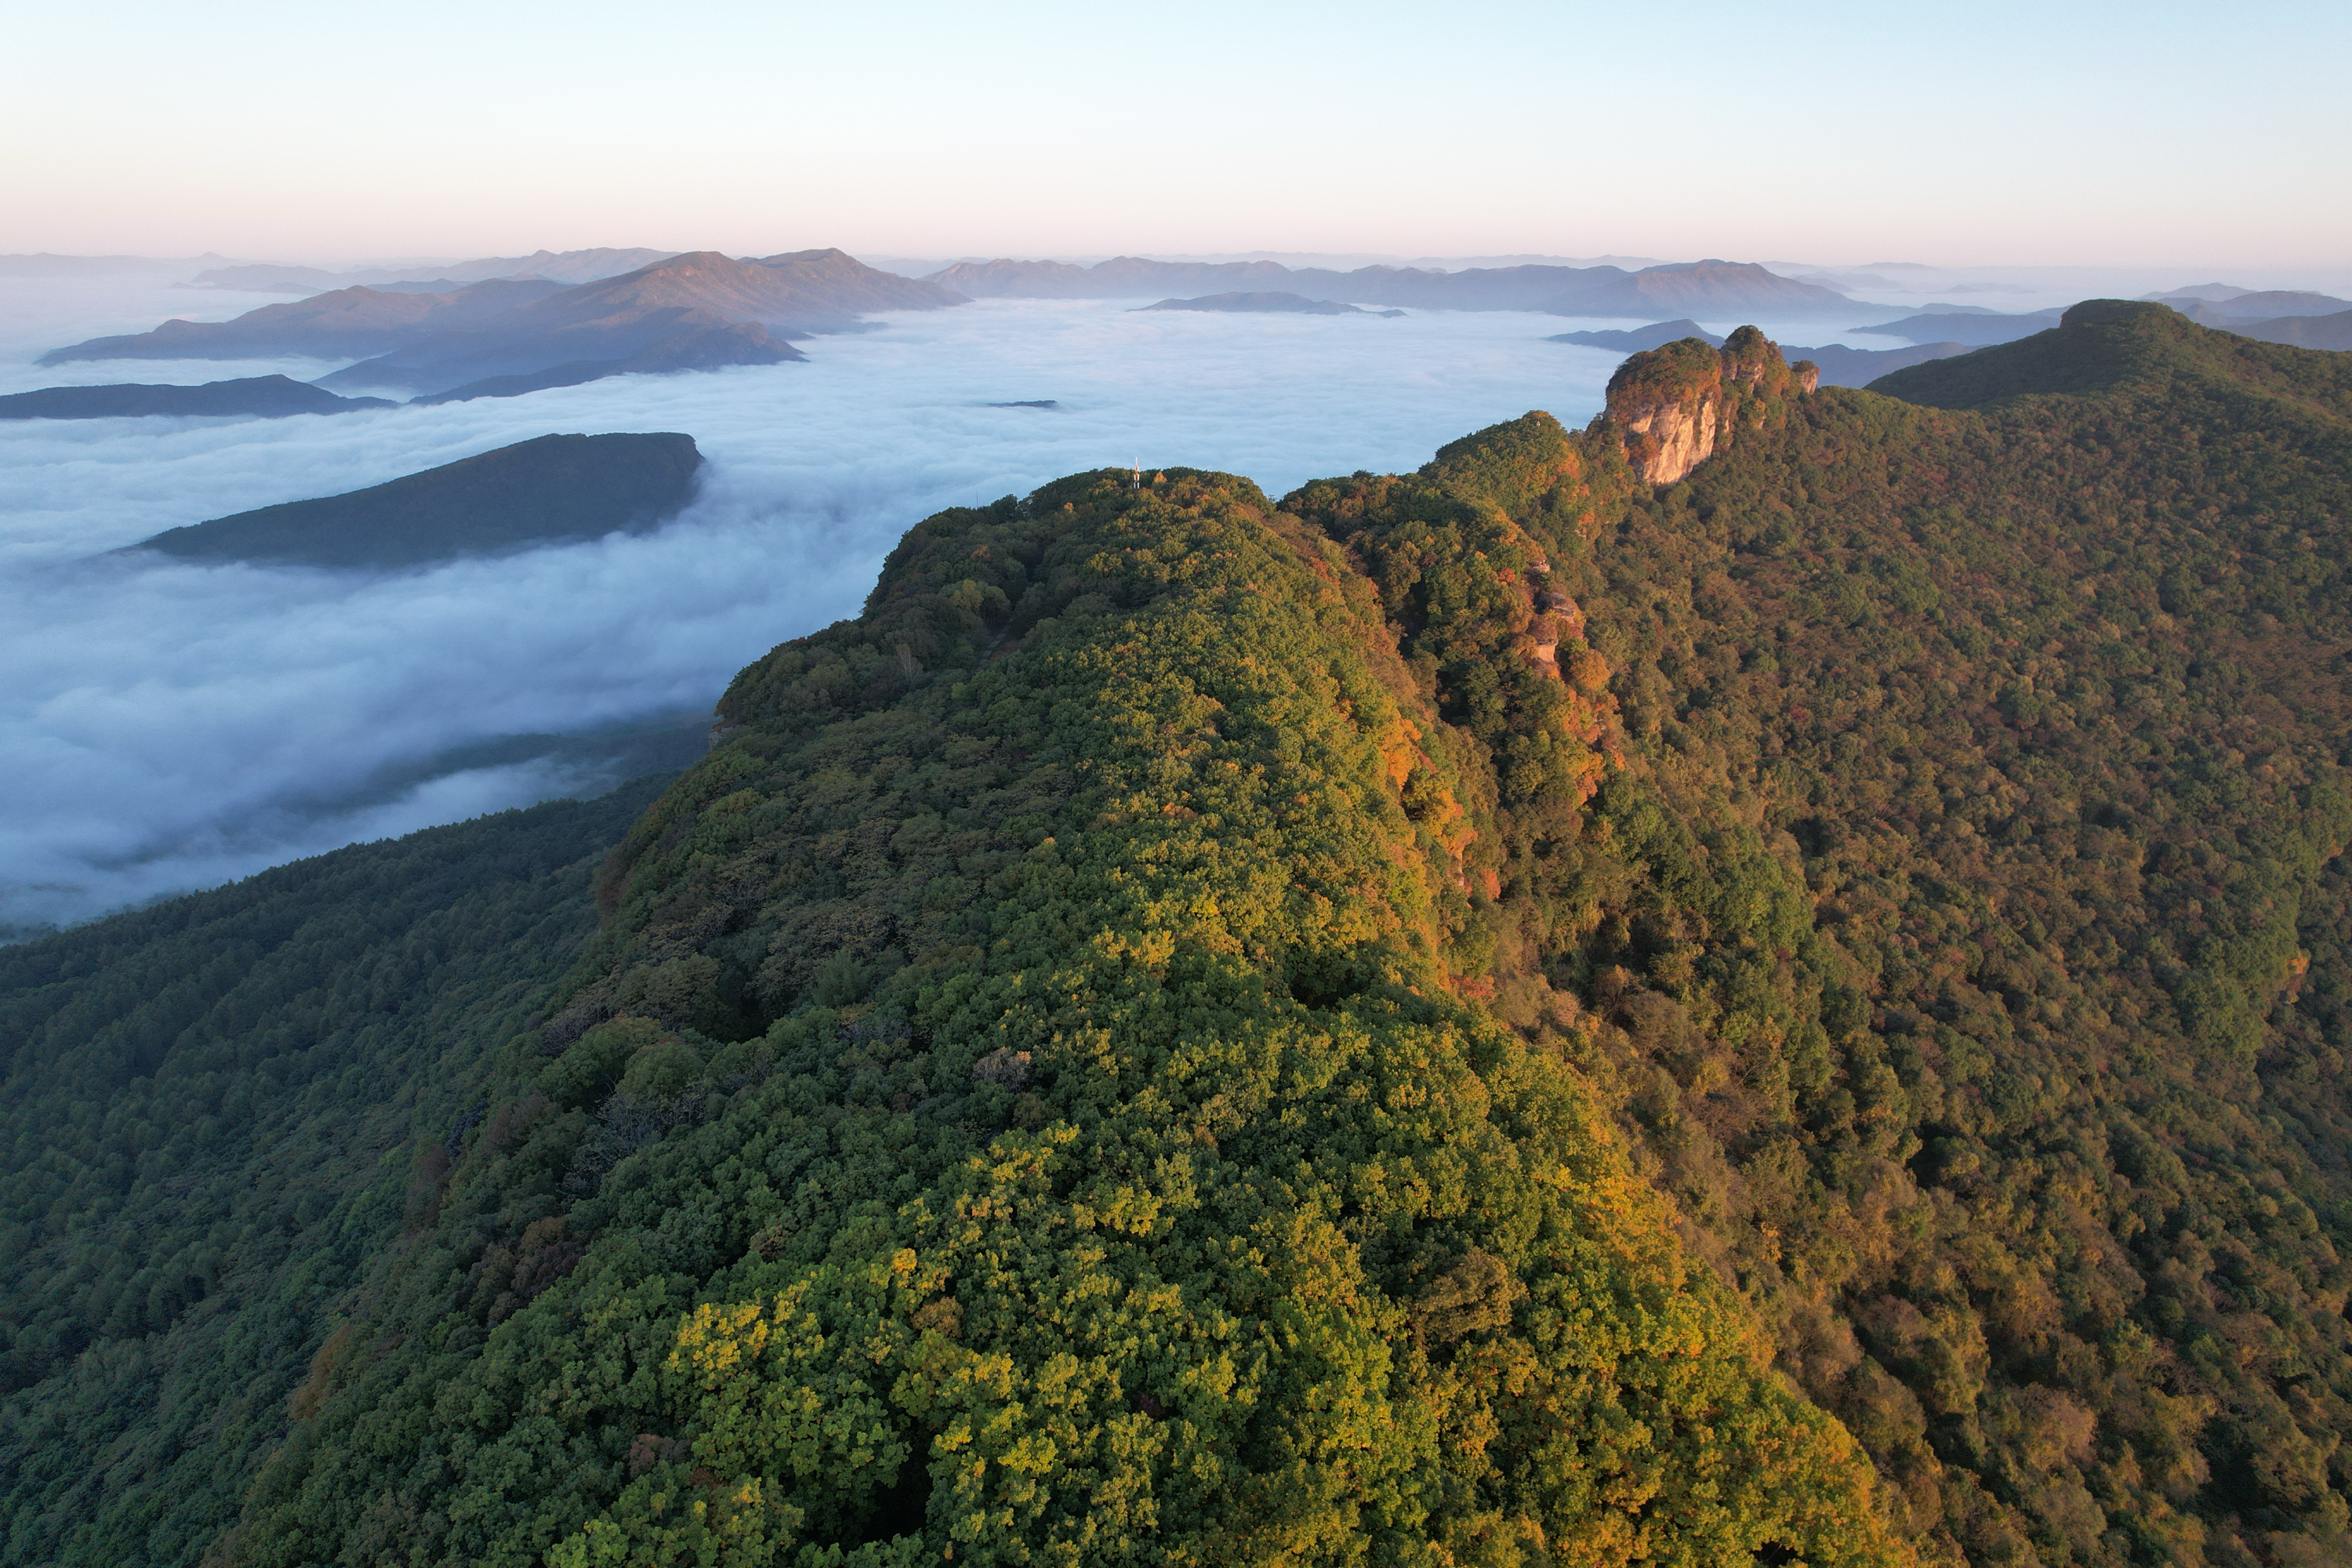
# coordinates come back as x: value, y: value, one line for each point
x: 166, y: 726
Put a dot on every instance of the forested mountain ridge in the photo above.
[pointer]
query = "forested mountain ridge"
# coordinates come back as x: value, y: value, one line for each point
x: 1031, y: 1099
x: 1352, y: 1030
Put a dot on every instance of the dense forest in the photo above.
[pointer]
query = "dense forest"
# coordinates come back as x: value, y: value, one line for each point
x: 1505, y: 1014
x: 207, y: 1118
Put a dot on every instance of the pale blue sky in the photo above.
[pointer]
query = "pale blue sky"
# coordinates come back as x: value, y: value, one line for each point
x: 2151, y: 134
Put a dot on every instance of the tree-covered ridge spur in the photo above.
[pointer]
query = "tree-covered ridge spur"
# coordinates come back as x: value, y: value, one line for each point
x: 1510, y: 1014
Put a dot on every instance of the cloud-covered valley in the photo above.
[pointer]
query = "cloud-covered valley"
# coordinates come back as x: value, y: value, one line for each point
x: 165, y: 726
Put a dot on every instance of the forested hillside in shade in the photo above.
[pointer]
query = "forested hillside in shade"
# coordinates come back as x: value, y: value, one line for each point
x: 1355, y: 1031
x: 208, y: 1123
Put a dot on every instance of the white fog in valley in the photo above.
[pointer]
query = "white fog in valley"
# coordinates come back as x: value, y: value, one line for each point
x: 166, y: 726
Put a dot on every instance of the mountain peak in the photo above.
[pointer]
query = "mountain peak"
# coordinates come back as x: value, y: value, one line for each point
x: 2141, y: 315
x: 1675, y: 406
x: 2102, y: 345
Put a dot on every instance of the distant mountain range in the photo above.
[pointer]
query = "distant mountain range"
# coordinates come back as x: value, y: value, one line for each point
x: 254, y: 396
x: 2303, y: 331
x: 2296, y: 317
x: 561, y: 267
x: 1839, y: 366
x: 2278, y: 316
x: 2219, y: 304
x: 697, y: 310
x: 1843, y: 366
x: 1709, y: 288
x: 1267, y: 303
x: 1972, y: 326
x: 46, y: 264
x: 2211, y: 291
x: 553, y: 489
x: 1120, y: 278
x: 1640, y: 340
x: 1712, y: 287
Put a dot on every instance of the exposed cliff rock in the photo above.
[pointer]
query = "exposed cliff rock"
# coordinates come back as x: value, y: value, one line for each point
x: 1673, y: 407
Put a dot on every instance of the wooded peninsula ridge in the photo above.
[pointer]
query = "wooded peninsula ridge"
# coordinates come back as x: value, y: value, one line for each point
x: 550, y: 489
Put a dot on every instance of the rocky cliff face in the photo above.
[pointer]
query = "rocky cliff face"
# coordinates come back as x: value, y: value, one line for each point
x: 1673, y: 407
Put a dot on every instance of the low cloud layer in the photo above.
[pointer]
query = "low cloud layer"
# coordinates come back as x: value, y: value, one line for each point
x: 166, y: 726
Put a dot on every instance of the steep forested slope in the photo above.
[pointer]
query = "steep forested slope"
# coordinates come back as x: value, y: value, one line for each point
x: 1504, y: 1015
x: 2033, y: 1145
x: 206, y: 1124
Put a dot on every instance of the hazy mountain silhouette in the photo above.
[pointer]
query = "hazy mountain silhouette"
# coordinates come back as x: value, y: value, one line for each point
x: 1843, y: 366
x: 1703, y: 287
x: 2303, y: 331
x: 1838, y: 364
x: 1967, y: 325
x: 1715, y: 287
x: 1657, y: 334
x: 560, y: 267
x: 697, y: 310
x: 343, y: 324
x: 1120, y: 278
x: 2248, y: 305
x: 47, y: 264
x: 1267, y: 303
x: 254, y: 396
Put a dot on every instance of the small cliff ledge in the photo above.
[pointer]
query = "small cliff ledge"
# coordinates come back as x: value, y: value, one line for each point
x: 1675, y: 406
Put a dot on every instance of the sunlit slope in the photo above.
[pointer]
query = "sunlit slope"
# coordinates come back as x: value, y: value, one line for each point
x: 1054, y: 1123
